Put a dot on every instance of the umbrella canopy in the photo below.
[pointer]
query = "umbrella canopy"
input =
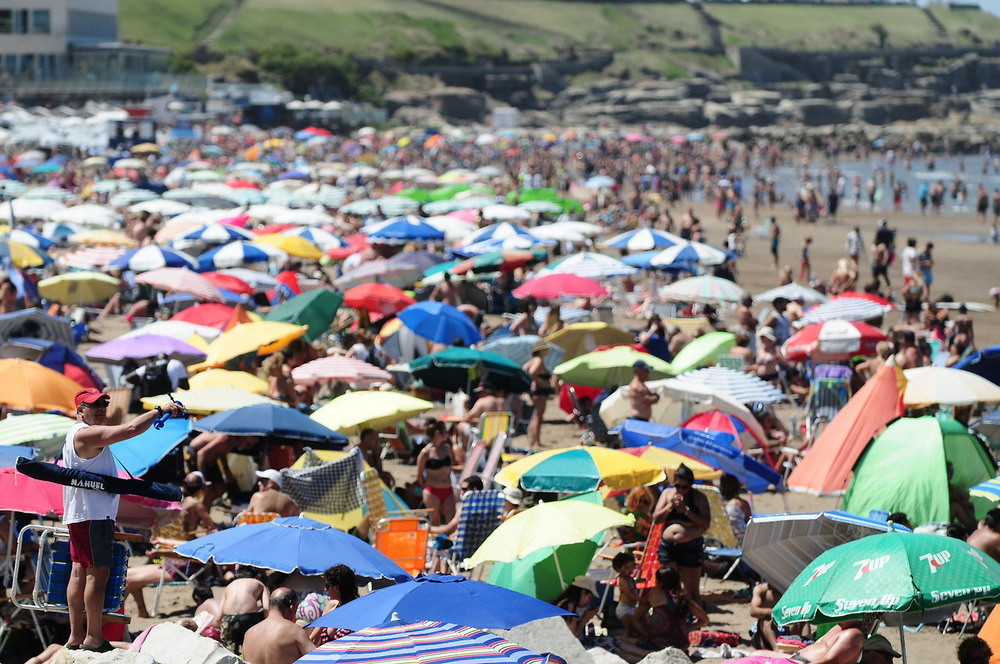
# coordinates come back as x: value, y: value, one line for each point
x: 555, y: 286
x: 644, y: 239
x: 844, y: 309
x: 402, y: 230
x: 500, y: 231
x: 498, y: 261
x: 702, y: 351
x: 345, y: 369
x: 948, y: 387
x: 397, y: 274
x: 210, y: 315
x: 792, y: 292
x: 411, y: 642
x: 152, y: 257
x: 78, y: 287
x: 580, y: 469
x: 610, y: 368
x: 455, y: 368
x: 985, y: 363
x: 222, y: 378
x: 55, y: 356
x: 591, y: 265
x: 292, y: 245
x: 517, y: 349
x: 23, y: 255
x: 705, y: 288
x: 292, y: 543
x: 262, y: 338
x: 579, y: 338
x: 177, y: 329
x: 740, y: 386
x: 690, y: 253
x: 377, y: 298
x: 36, y: 323
x: 272, y: 420
x: 20, y: 493
x: 780, y: 546
x: 890, y: 572
x: 91, y: 258
x: 441, y: 597
x: 257, y: 280
x: 45, y: 431
x: 547, y: 525
x: 29, y: 386
x: 833, y: 341
x: 103, y: 237
x: 209, y: 400
x: 211, y: 234
x: 140, y: 453
x: 325, y: 240
x: 143, y: 346
x: 181, y: 280
x: 440, y: 323
x: 229, y: 283
x: 355, y: 411
x: 239, y: 253
x: 669, y: 460
x: 712, y: 448
x: 315, y: 309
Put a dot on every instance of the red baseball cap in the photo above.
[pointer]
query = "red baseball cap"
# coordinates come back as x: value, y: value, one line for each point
x: 90, y: 396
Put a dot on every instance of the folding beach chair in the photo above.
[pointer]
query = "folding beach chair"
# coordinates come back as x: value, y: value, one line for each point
x: 474, y: 459
x: 404, y: 541
x: 481, y: 513
x: 649, y: 563
x: 491, y: 424
x: 720, y: 539
x: 179, y: 570
x: 398, y: 445
x: 121, y: 397
x: 827, y: 397
x: 493, y: 460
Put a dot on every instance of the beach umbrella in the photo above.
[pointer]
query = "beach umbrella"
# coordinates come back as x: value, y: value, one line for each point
x: 396, y: 274
x: 208, y: 400
x: 131, y: 197
x: 985, y: 363
x: 55, y: 356
x: 579, y: 469
x: 27, y: 209
x: 870, y: 297
x: 45, y: 431
x: 740, y: 386
x: 262, y: 338
x: 399, y: 642
x: 515, y: 243
x: 500, y: 231
x: 579, y: 338
x: 25, y: 236
x: 211, y: 234
x: 124, y: 350
x: 162, y: 206
x: 832, y: 341
x: 60, y: 231
x: 609, y: 368
x: 843, y: 309
x: 91, y: 258
x: 702, y: 351
x: 780, y: 546
x: 30, y: 386
x: 517, y: 349
x: 103, y: 237
x: 78, y: 287
x: 455, y: 368
x: 20, y: 493
x: 402, y: 230
x: 711, y: 448
x: 669, y: 460
x: 377, y: 298
x: 271, y: 420
x: 181, y: 280
x: 498, y: 261
x: 137, y: 455
x: 554, y: 286
x: 502, y: 212
x: 211, y: 315
x: 441, y: 597
x: 705, y: 288
x: 230, y: 283
x: 152, y: 257
x: 591, y: 265
x: 87, y: 214
x: 355, y: 411
x: 10, y: 454
x: 440, y: 323
x: 948, y: 387
x: 643, y: 239
x: 258, y: 280
x: 452, y: 227
x: 36, y: 323
x: 892, y: 572
x: 691, y: 253
x: 325, y: 240
x: 541, y: 207
x: 222, y: 378
x: 22, y: 255
x: 315, y: 309
x: 345, y: 369
x: 293, y: 245
x: 239, y: 253
x: 424, y: 260
x: 293, y: 543
x: 177, y: 329
x: 567, y: 231
x: 792, y: 292
x: 719, y: 421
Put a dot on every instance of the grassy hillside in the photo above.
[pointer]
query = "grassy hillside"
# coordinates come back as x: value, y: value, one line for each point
x: 665, y: 38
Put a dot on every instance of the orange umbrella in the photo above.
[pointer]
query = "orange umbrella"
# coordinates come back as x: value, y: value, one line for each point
x: 990, y: 632
x: 29, y: 386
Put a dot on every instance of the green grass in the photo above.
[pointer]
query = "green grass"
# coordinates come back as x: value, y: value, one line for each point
x: 969, y: 28
x: 179, y: 24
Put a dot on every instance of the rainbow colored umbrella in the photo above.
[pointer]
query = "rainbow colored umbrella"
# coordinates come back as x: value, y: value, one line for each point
x: 580, y: 469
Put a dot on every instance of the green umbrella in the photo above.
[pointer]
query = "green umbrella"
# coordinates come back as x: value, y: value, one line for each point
x: 570, y: 205
x: 610, y: 368
x: 455, y: 368
x: 537, y: 194
x: 417, y: 194
x: 449, y: 192
x: 316, y: 308
x: 893, y: 572
x: 703, y: 351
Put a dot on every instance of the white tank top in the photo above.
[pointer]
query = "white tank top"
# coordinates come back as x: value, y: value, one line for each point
x: 87, y: 504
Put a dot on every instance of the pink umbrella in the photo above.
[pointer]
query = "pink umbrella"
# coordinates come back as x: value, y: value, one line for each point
x: 21, y: 493
x: 240, y: 220
x: 553, y: 286
x: 464, y: 215
x: 92, y: 258
x: 343, y: 369
x: 181, y: 280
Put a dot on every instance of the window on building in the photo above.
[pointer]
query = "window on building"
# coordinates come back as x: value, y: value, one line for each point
x: 41, y: 21
x: 20, y: 22
x: 6, y: 20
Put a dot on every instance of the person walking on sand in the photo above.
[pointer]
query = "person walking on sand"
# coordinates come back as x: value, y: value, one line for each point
x: 775, y: 241
x: 805, y: 268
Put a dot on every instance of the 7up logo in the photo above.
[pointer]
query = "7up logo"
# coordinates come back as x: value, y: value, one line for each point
x: 866, y: 565
x: 935, y: 560
x: 819, y: 571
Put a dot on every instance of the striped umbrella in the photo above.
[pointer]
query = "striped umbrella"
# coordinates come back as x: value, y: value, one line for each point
x: 990, y: 489
x: 181, y: 280
x: 791, y: 292
x: 396, y: 274
x: 211, y: 234
x: 691, y: 252
x: 152, y: 257
x: 844, y: 309
x: 402, y: 230
x: 325, y: 240
x: 163, y: 206
x: 644, y: 239
x: 590, y: 264
x: 239, y: 253
x: 400, y: 642
x: 705, y: 288
x: 92, y: 258
x: 45, y: 431
x: 513, y: 243
x: 742, y: 387
x: 500, y: 231
x: 345, y: 369
x: 87, y: 214
x: 22, y: 255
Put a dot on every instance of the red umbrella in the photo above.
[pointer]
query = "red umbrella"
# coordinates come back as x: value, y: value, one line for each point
x: 290, y: 278
x: 242, y: 184
x: 553, y: 286
x: 716, y: 420
x: 240, y: 220
x: 355, y: 243
x: 566, y: 403
x: 834, y: 340
x: 209, y: 315
x: 21, y: 493
x: 377, y: 298
x: 871, y: 297
x: 228, y: 282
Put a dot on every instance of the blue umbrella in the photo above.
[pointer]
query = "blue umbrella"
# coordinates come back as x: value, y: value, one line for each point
x: 401, y: 230
x: 643, y: 239
x: 293, y: 543
x: 212, y: 234
x: 267, y: 419
x: 439, y: 322
x: 500, y: 231
x: 228, y: 296
x: 57, y: 357
x: 9, y: 454
x: 985, y: 363
x: 691, y: 253
x: 235, y: 254
x: 137, y: 455
x: 25, y: 236
x: 713, y: 448
x: 152, y: 257
x: 443, y: 598
x: 27, y: 289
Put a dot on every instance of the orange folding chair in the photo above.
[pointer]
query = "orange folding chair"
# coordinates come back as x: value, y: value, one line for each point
x: 649, y: 565
x: 404, y: 541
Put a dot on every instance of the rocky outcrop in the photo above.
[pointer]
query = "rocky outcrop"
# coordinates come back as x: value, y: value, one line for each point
x: 169, y: 643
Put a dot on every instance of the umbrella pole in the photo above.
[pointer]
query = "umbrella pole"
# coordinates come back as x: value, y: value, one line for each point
x: 902, y: 641
x: 555, y: 556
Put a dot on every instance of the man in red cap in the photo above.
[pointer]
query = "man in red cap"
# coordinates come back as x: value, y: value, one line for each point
x: 90, y: 515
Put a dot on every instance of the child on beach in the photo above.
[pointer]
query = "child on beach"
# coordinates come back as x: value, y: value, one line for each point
x: 628, y: 595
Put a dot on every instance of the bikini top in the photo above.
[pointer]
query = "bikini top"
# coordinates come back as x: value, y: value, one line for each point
x: 437, y: 464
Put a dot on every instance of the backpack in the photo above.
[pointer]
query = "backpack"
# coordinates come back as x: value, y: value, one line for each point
x: 155, y: 379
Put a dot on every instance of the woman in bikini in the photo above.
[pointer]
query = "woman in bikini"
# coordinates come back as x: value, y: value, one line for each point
x: 434, y: 465
x: 541, y: 390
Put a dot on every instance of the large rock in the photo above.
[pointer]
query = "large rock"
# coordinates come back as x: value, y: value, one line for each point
x: 169, y: 643
x: 666, y: 656
x: 116, y: 656
x: 548, y: 635
x: 602, y: 656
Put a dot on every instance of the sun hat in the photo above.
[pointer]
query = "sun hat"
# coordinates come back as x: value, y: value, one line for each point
x: 767, y: 332
x: 881, y: 644
x: 585, y: 582
x: 270, y: 474
x: 513, y: 495
x: 90, y: 396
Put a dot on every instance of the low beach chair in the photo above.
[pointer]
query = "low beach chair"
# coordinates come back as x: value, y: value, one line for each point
x: 404, y: 541
x: 482, y: 512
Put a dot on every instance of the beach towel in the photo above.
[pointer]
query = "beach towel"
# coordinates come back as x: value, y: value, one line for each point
x: 327, y: 488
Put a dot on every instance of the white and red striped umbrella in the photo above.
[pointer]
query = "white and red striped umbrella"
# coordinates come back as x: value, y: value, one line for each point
x: 832, y: 341
x: 181, y: 280
x: 91, y: 258
x: 346, y: 369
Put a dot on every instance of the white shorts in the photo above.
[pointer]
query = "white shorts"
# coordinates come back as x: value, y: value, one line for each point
x: 623, y: 610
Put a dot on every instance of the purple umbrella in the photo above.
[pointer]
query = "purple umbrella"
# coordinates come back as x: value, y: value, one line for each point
x: 141, y: 347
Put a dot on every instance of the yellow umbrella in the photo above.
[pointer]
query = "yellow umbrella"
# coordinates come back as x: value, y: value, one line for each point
x: 293, y: 245
x: 360, y: 410
x: 78, y: 287
x: 29, y: 386
x: 145, y: 148
x: 669, y: 460
x: 263, y: 338
x: 94, y: 162
x: 222, y: 378
x: 580, y: 338
x: 24, y: 255
x: 580, y: 469
x: 103, y: 237
x: 208, y: 400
